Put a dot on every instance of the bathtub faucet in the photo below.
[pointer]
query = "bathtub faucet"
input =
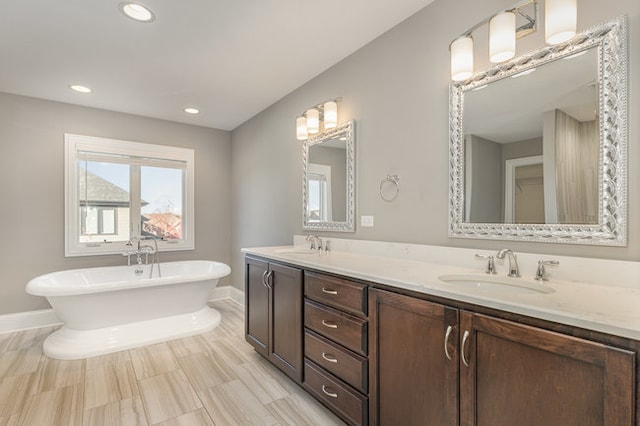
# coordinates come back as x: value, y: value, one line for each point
x: 145, y: 250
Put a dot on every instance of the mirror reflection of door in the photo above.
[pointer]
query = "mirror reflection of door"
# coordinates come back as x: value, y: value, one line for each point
x: 524, y: 190
x: 529, y: 194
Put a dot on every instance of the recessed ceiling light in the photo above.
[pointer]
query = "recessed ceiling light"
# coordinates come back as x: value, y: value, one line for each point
x: 137, y: 12
x: 192, y: 110
x: 80, y: 89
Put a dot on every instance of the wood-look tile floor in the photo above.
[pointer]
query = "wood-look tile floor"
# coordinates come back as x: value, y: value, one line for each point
x: 214, y: 378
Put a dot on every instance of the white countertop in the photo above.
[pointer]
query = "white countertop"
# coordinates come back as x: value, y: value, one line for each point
x: 600, y: 307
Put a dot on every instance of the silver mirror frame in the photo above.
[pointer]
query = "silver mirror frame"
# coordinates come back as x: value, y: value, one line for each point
x: 348, y: 225
x: 611, y: 229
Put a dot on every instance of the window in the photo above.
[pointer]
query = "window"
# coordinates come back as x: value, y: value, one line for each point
x: 117, y: 190
x: 97, y: 221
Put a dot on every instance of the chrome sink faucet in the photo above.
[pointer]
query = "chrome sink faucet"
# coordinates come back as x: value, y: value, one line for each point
x: 514, y: 271
x: 316, y: 242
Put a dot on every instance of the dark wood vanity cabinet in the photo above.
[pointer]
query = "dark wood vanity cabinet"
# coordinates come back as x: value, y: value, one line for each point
x: 336, y: 345
x: 492, y: 372
x: 273, y: 314
x: 374, y: 356
x: 517, y: 374
x: 413, y: 381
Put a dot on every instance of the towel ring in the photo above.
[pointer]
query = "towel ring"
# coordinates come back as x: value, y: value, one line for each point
x: 390, y: 187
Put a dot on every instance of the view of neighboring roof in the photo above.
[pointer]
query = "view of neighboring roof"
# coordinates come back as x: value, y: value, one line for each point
x: 96, y: 191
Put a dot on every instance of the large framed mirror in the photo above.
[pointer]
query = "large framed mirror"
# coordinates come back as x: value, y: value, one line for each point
x: 538, y: 144
x: 328, y: 187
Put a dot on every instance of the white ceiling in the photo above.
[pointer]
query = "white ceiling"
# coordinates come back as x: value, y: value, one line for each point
x: 512, y: 109
x: 231, y: 59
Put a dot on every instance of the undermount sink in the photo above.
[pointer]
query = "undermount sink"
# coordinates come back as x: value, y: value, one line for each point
x: 296, y: 250
x: 501, y: 284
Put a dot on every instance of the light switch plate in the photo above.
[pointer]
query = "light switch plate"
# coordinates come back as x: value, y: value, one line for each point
x: 366, y: 221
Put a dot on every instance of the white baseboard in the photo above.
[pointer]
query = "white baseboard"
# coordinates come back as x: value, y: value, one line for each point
x: 28, y: 320
x: 228, y: 292
x: 46, y: 317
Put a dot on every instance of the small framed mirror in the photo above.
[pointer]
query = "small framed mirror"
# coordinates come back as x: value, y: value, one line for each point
x: 538, y: 144
x: 328, y: 190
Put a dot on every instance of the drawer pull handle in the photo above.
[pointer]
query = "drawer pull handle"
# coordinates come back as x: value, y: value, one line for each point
x: 329, y: 324
x: 329, y: 357
x: 326, y: 392
x: 329, y: 291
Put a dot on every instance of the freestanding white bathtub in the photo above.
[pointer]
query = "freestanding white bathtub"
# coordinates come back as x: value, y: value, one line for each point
x: 110, y: 309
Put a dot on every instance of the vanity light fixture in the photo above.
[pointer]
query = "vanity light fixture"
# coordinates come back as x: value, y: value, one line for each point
x: 137, y: 12
x: 323, y: 115
x: 80, y: 88
x: 508, y: 25
x: 191, y: 110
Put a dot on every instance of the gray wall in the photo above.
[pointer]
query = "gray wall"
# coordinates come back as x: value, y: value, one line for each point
x: 32, y: 195
x: 396, y: 89
x: 486, y: 198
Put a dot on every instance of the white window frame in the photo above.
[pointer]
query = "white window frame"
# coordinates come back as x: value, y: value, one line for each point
x: 75, y: 144
x: 323, y: 170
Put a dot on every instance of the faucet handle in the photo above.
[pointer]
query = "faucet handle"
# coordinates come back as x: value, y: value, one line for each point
x: 491, y: 264
x: 541, y: 271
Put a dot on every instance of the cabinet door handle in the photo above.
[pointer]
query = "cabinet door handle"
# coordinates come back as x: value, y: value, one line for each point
x: 465, y: 337
x: 446, y: 342
x: 264, y: 279
x: 269, y: 276
x: 326, y: 392
x: 329, y: 324
x: 328, y: 291
x: 329, y: 357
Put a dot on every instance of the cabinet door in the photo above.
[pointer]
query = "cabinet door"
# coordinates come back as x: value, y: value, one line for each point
x: 257, y: 305
x: 413, y: 380
x: 522, y: 375
x: 285, y: 346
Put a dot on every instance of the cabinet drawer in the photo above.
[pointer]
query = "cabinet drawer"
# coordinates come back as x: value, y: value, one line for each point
x: 349, y: 331
x: 341, y: 363
x: 339, y: 293
x: 346, y: 402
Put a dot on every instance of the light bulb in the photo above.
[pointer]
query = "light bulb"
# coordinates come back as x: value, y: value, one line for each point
x: 301, y: 129
x: 330, y: 115
x: 502, y: 37
x: 560, y: 18
x: 313, y: 121
x: 462, y: 58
